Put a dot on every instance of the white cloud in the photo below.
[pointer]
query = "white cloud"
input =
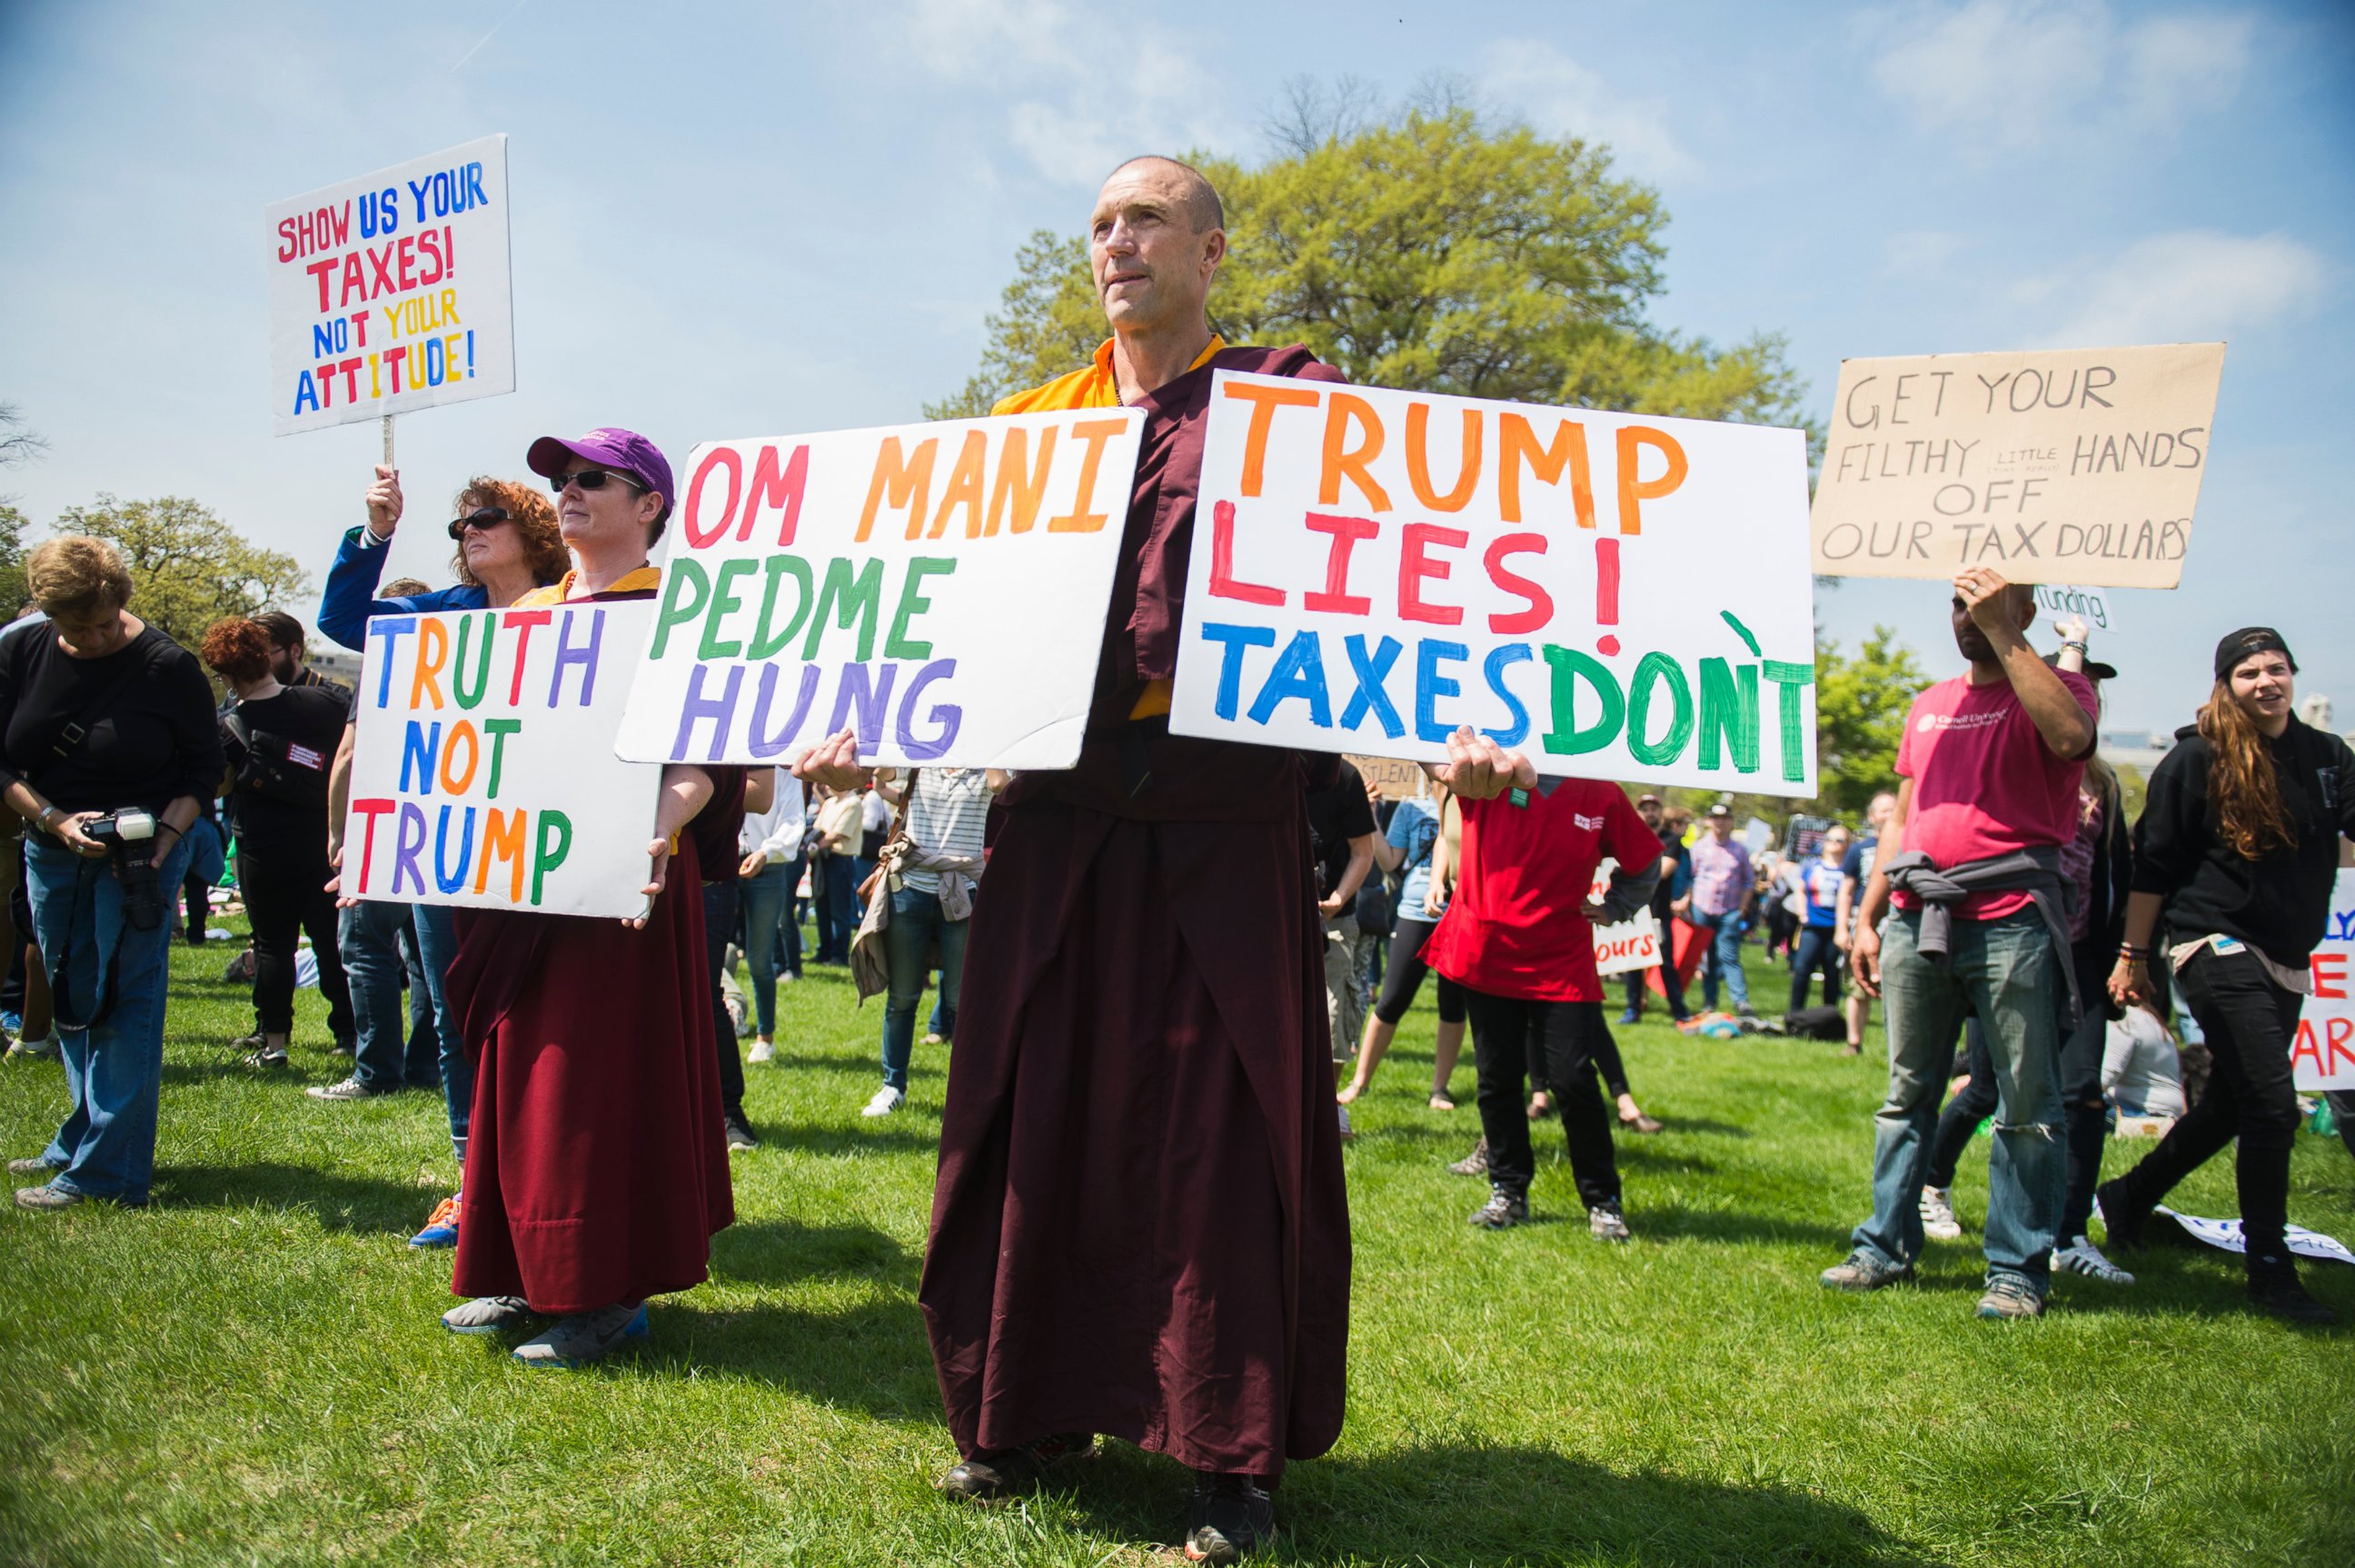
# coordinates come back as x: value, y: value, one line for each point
x: 1082, y: 92
x: 1560, y: 95
x: 2017, y: 73
x: 2194, y: 284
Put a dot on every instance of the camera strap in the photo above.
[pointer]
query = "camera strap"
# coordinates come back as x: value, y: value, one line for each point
x: 76, y: 730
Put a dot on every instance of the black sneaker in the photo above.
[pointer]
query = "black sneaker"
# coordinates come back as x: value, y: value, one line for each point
x: 267, y: 1056
x: 1474, y: 1163
x: 995, y: 1475
x: 2273, y: 1287
x: 1504, y: 1208
x: 739, y: 1132
x: 1228, y: 1519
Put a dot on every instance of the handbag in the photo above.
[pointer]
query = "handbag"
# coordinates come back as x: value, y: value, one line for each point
x: 1376, y: 914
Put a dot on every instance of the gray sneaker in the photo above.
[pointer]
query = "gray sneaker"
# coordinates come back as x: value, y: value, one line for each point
x: 486, y: 1315
x: 585, y: 1336
x: 1863, y: 1272
x: 1607, y: 1223
x: 2009, y: 1298
x: 37, y: 1166
x: 45, y: 1197
x: 42, y: 1050
x: 1474, y: 1163
x: 347, y: 1089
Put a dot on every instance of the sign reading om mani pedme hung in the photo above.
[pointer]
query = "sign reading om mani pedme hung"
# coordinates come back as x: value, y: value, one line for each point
x: 938, y: 588
x: 1619, y: 596
x: 389, y: 292
x: 484, y: 773
x: 2079, y: 466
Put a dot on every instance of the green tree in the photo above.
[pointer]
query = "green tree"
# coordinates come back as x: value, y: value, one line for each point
x: 188, y: 569
x: 1861, y: 706
x: 1430, y: 251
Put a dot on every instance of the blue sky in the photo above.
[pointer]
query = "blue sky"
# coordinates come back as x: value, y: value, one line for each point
x: 761, y: 219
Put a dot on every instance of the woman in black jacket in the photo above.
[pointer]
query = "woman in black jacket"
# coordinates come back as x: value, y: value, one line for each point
x: 2239, y: 839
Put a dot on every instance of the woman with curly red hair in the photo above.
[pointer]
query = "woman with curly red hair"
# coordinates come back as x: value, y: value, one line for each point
x: 508, y: 545
x: 2239, y: 843
x: 279, y: 740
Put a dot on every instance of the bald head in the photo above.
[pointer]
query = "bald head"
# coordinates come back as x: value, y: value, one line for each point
x: 1198, y: 197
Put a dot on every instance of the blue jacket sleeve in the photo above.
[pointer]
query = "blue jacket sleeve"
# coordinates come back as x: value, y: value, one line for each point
x: 350, y: 598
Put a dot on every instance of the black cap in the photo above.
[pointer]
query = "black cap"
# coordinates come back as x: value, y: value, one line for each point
x: 2248, y: 640
x: 2094, y: 670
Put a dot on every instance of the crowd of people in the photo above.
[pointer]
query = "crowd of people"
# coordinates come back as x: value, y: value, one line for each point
x: 1169, y: 971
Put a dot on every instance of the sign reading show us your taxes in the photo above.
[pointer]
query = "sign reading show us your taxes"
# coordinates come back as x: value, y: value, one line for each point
x: 484, y: 773
x: 1619, y: 596
x: 389, y: 292
x: 2079, y: 466
x: 939, y: 589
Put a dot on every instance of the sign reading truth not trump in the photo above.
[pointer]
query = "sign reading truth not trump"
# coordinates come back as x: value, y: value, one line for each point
x: 484, y: 773
x: 938, y: 588
x: 389, y: 292
x: 2078, y: 467
x: 1620, y: 596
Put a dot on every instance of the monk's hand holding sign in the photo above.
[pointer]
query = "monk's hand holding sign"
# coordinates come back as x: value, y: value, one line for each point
x: 1479, y: 768
x: 834, y: 762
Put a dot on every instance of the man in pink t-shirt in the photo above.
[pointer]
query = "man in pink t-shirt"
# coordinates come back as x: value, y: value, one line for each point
x: 1988, y: 795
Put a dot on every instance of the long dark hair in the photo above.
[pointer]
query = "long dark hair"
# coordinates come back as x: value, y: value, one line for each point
x: 2240, y: 778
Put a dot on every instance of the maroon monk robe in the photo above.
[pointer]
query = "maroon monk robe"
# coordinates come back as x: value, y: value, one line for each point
x: 1140, y: 1226
x: 596, y: 1156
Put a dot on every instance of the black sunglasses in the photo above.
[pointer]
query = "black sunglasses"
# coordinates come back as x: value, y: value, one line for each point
x: 591, y: 479
x: 487, y: 517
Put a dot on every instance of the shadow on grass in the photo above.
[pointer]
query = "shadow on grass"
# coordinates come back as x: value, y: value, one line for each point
x: 778, y: 1252
x: 1717, y: 1225
x: 872, y: 1357
x: 338, y: 1201
x: 900, y: 1137
x: 1469, y: 1503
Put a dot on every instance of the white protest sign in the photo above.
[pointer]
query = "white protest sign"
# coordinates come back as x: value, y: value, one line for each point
x: 941, y: 589
x: 389, y: 292
x: 484, y: 774
x: 2323, y: 1053
x: 1620, y: 596
x: 2076, y: 466
x: 1632, y: 944
x: 2097, y: 607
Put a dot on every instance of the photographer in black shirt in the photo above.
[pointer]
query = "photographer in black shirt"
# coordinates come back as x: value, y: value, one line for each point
x: 281, y: 741
x: 2239, y: 842
x: 107, y: 741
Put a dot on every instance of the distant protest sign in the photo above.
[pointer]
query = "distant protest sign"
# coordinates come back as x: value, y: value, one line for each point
x: 2323, y: 1053
x: 939, y: 589
x: 1396, y: 780
x: 484, y: 774
x: 389, y: 292
x: 1634, y: 942
x: 1620, y: 596
x: 2097, y: 607
x: 2080, y: 466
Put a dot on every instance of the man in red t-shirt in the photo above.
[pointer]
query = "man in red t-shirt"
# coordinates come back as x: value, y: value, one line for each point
x: 1518, y: 936
x: 1988, y: 795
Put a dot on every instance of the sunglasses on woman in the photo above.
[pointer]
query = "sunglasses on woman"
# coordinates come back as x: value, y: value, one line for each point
x: 486, y: 517
x: 591, y: 479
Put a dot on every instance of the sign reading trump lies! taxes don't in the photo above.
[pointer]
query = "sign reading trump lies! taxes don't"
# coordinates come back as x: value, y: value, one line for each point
x: 938, y: 588
x: 389, y: 292
x: 485, y: 774
x: 1619, y: 596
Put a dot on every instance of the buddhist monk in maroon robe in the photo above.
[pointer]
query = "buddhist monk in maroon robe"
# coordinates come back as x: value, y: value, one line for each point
x: 596, y: 1160
x: 1140, y: 1226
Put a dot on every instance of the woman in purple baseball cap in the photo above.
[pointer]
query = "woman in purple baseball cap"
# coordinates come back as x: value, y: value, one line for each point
x: 596, y: 1172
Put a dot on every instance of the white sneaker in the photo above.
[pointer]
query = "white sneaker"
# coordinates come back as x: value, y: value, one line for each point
x: 1938, y: 1215
x: 2081, y: 1256
x: 887, y: 1100
x: 763, y: 1050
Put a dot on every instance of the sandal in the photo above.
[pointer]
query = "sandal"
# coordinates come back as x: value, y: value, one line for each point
x: 1641, y: 1122
x: 1442, y: 1103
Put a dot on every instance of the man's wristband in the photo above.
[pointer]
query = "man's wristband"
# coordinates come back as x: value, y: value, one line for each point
x: 2076, y: 644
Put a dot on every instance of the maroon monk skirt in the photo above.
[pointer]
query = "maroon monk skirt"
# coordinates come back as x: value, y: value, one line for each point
x: 1140, y: 1226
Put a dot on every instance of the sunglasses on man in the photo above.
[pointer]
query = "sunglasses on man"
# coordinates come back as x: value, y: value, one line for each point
x: 591, y: 479
x: 486, y: 518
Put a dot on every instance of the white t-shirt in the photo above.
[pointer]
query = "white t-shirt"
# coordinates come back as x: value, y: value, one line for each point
x: 947, y: 816
x: 776, y: 833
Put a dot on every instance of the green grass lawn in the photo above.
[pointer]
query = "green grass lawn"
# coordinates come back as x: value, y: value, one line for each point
x: 252, y: 1370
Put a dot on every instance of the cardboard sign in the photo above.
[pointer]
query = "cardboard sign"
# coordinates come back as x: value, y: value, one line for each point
x: 1632, y: 944
x: 2080, y: 466
x: 939, y: 588
x: 389, y: 292
x: 1619, y: 596
x: 484, y: 773
x: 1395, y: 779
x: 2323, y: 1053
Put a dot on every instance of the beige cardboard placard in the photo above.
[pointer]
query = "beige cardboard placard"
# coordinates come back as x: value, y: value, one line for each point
x: 1397, y: 780
x: 2078, y: 465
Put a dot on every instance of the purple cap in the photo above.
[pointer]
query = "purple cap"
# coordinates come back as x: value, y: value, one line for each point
x: 623, y: 451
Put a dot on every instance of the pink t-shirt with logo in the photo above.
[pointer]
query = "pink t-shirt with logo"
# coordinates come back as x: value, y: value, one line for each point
x: 1985, y: 782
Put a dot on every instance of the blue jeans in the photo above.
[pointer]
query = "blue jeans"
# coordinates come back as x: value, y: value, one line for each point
x: 1723, y: 958
x: 765, y: 895
x: 370, y: 936
x: 115, y: 1067
x: 916, y: 920
x: 2006, y: 971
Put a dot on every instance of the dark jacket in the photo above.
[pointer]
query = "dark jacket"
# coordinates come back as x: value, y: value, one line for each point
x: 2279, y: 902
